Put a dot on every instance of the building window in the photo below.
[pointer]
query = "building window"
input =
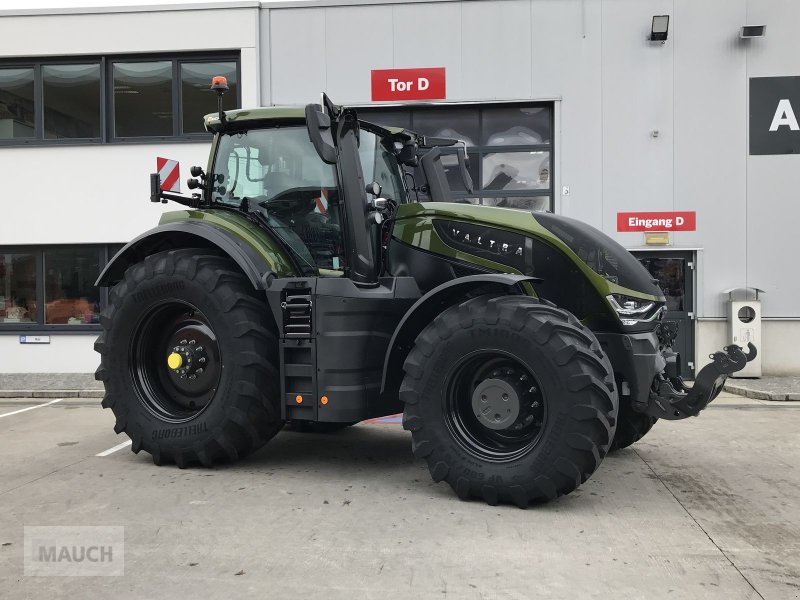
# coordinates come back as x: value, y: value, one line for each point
x: 70, y: 296
x: 142, y: 99
x: 17, y: 119
x: 509, y: 147
x: 197, y: 98
x: 112, y: 98
x: 17, y: 288
x: 52, y: 287
x: 71, y: 101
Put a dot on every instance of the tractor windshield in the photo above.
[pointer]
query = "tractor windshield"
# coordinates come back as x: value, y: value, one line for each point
x: 280, y: 175
x: 269, y: 164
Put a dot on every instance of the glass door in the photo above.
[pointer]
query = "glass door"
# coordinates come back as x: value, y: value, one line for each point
x: 675, y: 274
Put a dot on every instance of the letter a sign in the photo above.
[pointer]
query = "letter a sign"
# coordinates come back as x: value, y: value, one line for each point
x: 774, y: 112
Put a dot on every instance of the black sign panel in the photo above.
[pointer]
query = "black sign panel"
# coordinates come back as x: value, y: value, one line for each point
x: 774, y: 112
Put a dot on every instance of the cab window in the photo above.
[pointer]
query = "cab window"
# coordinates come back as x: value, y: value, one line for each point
x: 280, y: 175
x: 381, y: 166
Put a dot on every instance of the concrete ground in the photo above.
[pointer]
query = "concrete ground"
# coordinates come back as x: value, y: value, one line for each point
x: 705, y: 508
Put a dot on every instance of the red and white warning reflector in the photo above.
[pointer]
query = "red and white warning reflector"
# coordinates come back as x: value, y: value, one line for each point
x: 321, y: 202
x: 169, y: 172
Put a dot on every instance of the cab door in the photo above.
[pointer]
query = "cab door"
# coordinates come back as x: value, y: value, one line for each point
x: 675, y: 274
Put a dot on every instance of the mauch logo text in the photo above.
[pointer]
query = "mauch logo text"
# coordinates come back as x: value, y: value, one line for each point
x: 75, y: 554
x: 69, y: 551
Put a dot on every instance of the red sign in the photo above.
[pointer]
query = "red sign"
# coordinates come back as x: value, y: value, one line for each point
x: 657, y: 221
x: 408, y: 84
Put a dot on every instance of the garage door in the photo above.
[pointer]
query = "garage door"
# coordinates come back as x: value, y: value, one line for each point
x: 509, y: 146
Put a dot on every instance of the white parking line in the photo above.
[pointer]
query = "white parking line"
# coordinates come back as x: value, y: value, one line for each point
x: 114, y: 449
x: 22, y: 410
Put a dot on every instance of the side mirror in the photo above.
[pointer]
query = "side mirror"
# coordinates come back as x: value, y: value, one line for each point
x: 407, y: 154
x: 320, y: 134
x: 374, y: 188
x: 155, y: 188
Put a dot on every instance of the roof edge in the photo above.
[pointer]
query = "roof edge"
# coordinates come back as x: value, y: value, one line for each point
x: 131, y: 8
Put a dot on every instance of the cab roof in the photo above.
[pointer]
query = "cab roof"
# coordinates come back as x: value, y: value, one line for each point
x: 265, y: 116
x: 244, y: 118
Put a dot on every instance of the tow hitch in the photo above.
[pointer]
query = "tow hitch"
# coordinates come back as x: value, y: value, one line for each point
x: 671, y: 399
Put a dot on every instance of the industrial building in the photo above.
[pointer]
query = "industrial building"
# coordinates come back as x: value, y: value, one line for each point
x: 671, y: 125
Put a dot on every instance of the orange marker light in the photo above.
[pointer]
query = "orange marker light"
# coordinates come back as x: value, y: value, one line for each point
x: 298, y: 399
x: 324, y: 400
x: 219, y: 80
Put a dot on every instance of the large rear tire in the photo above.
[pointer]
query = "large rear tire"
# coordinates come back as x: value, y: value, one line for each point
x: 509, y: 400
x: 189, y: 360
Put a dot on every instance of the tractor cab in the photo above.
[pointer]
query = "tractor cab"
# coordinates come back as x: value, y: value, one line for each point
x: 330, y: 203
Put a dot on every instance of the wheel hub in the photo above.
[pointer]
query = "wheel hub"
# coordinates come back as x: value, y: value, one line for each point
x: 175, y: 361
x: 187, y: 359
x: 191, y: 367
x: 496, y: 404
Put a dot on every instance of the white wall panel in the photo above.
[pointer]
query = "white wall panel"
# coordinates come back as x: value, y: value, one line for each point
x: 429, y: 35
x: 297, y: 55
x: 637, y: 99
x: 773, y: 207
x: 250, y: 86
x: 168, y: 31
x: 500, y: 69
x: 710, y: 146
x: 86, y: 194
x: 265, y: 59
x: 350, y: 57
x: 66, y: 353
x: 566, y: 65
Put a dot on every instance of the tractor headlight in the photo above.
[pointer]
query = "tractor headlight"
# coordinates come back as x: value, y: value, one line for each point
x: 632, y: 310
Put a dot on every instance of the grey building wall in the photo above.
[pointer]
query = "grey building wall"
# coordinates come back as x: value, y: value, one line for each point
x: 613, y: 88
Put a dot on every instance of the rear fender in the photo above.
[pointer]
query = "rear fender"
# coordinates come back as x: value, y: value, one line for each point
x: 258, y: 264
x: 432, y: 304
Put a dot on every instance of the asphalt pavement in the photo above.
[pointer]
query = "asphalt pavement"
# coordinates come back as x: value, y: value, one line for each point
x: 704, y: 508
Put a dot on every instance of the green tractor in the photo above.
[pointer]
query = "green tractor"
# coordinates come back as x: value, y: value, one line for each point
x: 306, y: 283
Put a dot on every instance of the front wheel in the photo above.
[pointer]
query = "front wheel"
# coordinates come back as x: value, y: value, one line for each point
x: 509, y: 400
x: 631, y: 426
x: 189, y: 360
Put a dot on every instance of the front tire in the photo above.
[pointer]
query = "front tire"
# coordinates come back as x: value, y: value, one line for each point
x: 631, y: 426
x: 189, y: 360
x: 509, y: 400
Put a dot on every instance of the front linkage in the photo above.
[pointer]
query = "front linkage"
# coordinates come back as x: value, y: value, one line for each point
x: 671, y: 399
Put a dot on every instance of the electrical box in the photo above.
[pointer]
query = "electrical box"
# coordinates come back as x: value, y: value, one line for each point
x: 744, y: 326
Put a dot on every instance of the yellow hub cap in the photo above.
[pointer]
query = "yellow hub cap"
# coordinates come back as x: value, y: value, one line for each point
x: 174, y: 361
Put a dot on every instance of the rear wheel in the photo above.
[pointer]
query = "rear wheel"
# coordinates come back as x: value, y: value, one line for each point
x: 189, y: 360
x: 509, y: 400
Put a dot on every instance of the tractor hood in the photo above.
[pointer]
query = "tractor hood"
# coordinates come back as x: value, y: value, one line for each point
x: 468, y: 229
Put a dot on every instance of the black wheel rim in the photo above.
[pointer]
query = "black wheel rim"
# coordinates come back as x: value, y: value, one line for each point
x: 175, y: 389
x: 494, y: 406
